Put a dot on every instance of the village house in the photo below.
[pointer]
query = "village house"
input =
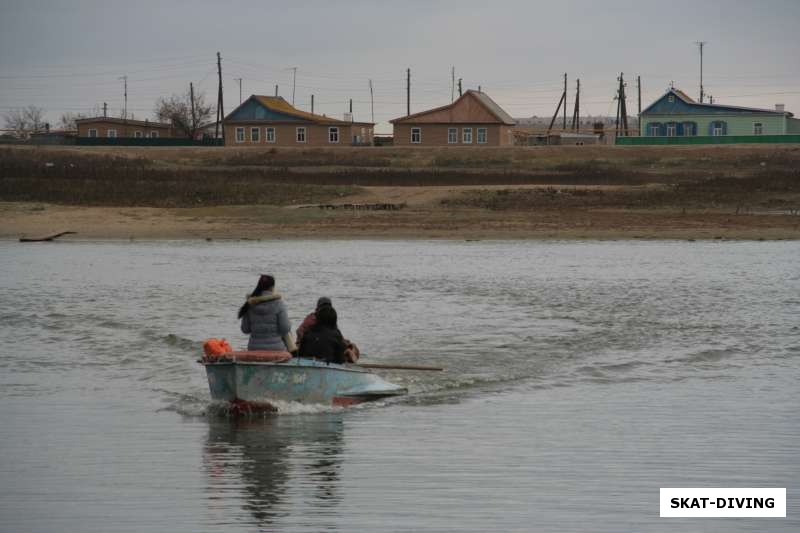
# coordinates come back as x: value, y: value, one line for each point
x: 675, y: 114
x: 272, y: 121
x: 126, y: 128
x: 473, y: 119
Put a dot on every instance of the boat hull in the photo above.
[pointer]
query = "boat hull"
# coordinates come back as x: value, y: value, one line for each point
x: 259, y: 385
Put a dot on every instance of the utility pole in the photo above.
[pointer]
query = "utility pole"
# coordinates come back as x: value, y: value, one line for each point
x: 312, y: 104
x: 294, y: 79
x: 240, y: 89
x: 220, y: 102
x: 700, y: 45
x: 479, y: 88
x: 351, y: 109
x: 276, y: 91
x: 371, y: 102
x: 452, y: 83
x: 576, y: 114
x: 105, y: 109
x: 191, y: 98
x: 639, y: 91
x: 459, y: 87
x: 125, y: 98
x: 565, y: 101
x: 621, y: 125
x: 408, y: 91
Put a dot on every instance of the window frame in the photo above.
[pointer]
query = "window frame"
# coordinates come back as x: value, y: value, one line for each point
x: 655, y: 130
x: 452, y: 135
x: 297, y: 132
x: 478, y: 135
x: 418, y: 131
x: 237, y: 138
x: 92, y: 132
x: 718, y: 130
x: 257, y: 131
x: 464, y: 136
x: 331, y: 131
x: 154, y: 134
x: 672, y: 129
x: 138, y: 134
x: 267, y: 132
x: 108, y: 133
x: 758, y: 128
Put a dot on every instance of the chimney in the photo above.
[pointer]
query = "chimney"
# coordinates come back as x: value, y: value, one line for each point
x: 779, y: 108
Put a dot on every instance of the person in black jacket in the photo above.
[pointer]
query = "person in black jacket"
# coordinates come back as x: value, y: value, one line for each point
x: 323, y: 340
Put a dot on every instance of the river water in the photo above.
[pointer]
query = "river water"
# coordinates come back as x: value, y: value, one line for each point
x: 580, y: 378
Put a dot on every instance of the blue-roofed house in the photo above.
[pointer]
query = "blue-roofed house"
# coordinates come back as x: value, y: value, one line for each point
x: 676, y: 115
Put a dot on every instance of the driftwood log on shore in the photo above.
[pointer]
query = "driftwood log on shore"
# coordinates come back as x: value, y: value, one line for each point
x: 45, y: 238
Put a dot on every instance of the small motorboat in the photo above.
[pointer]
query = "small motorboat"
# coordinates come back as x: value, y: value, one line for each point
x: 257, y: 380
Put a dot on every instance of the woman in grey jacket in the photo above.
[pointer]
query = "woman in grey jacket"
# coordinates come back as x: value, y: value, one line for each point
x: 264, y: 317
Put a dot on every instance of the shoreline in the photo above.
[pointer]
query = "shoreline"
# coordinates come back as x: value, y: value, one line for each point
x: 420, y: 222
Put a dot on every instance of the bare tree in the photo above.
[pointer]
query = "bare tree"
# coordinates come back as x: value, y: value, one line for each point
x: 26, y: 120
x: 15, y: 120
x: 177, y: 110
x: 68, y: 120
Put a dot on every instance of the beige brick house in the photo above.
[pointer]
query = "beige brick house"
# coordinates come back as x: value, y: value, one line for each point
x: 118, y: 127
x: 272, y: 121
x: 472, y: 120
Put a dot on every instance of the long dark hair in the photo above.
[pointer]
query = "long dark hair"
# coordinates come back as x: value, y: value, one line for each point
x: 326, y: 316
x: 265, y: 283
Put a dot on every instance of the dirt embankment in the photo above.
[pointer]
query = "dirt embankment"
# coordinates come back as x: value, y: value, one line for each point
x: 537, y: 192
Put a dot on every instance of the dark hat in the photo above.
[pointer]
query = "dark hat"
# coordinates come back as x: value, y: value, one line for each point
x: 323, y: 301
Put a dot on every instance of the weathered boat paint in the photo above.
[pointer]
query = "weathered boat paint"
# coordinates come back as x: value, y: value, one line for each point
x: 252, y: 386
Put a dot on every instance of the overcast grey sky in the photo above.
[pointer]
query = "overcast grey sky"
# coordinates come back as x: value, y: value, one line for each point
x: 69, y: 55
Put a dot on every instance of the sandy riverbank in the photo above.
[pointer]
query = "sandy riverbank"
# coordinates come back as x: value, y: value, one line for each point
x: 727, y: 192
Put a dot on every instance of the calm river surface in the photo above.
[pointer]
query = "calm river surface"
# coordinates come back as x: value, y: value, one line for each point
x: 581, y: 377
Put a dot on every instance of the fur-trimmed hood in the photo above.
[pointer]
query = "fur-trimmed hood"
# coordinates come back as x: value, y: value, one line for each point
x: 255, y: 300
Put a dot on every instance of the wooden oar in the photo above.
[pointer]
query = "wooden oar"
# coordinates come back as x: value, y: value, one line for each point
x: 45, y: 238
x: 400, y: 367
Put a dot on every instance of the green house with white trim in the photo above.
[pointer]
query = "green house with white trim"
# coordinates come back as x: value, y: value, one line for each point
x: 676, y: 115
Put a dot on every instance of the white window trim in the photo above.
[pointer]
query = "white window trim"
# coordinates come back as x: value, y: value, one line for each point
x: 670, y: 98
x: 108, y: 133
x: 297, y: 134
x: 485, y: 135
x: 92, y: 132
x: 236, y: 136
x: 760, y: 127
x: 154, y: 135
x: 331, y: 130
x: 258, y: 134
x: 266, y: 135
x: 464, y: 132
x: 654, y: 130
x: 672, y: 130
x: 137, y: 134
x: 454, y: 132
x: 718, y: 131
x: 419, y: 135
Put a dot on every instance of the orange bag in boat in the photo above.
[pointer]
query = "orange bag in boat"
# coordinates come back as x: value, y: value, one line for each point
x: 216, y: 347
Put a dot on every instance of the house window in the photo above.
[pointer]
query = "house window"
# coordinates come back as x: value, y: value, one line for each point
x: 718, y: 128
x: 482, y: 136
x: 255, y: 135
x: 466, y: 135
x: 416, y: 135
x: 270, y: 135
x: 111, y: 133
x: 654, y: 130
x: 452, y: 135
x: 671, y: 130
x: 137, y: 134
x: 333, y: 135
x: 154, y: 135
x: 239, y: 135
x: 758, y: 128
x: 670, y: 98
x: 689, y: 129
x: 300, y: 135
x: 93, y: 132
